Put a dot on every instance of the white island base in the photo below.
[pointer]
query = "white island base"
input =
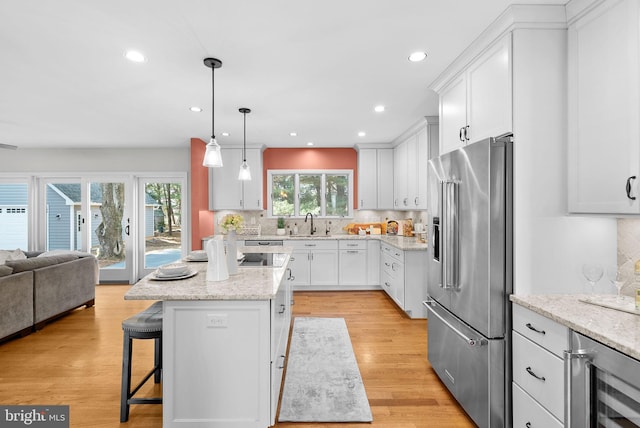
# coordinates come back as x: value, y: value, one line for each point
x: 217, y: 364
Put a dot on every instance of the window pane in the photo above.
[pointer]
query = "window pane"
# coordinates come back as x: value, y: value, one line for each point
x: 337, y: 195
x: 310, y: 194
x: 162, y: 224
x: 13, y: 216
x: 282, y: 194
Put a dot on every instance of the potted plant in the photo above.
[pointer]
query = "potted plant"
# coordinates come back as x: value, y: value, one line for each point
x: 280, y: 230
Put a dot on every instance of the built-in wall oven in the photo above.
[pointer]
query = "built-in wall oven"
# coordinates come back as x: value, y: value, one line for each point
x: 602, y: 386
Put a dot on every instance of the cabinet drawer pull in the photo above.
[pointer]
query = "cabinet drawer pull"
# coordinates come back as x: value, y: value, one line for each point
x: 460, y: 134
x: 387, y: 284
x: 528, y: 425
x: 633, y: 177
x: 531, y: 372
x: 530, y: 327
x: 283, y: 308
x: 284, y: 358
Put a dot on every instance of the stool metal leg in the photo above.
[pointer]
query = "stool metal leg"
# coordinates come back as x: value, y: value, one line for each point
x: 126, y: 377
x: 157, y: 358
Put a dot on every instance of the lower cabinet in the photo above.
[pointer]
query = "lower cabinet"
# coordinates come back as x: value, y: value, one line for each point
x: 352, y: 269
x: 314, y: 263
x: 403, y: 275
x: 223, y: 361
x: 538, y: 344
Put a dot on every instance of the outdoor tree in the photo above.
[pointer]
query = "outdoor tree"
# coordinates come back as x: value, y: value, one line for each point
x: 109, y: 232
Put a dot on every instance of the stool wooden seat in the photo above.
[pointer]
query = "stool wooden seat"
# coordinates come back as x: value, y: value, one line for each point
x: 144, y: 325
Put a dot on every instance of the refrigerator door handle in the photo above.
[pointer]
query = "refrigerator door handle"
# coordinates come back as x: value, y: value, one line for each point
x: 449, y: 206
x: 470, y: 341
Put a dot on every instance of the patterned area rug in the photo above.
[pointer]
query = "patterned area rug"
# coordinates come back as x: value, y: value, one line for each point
x: 322, y: 382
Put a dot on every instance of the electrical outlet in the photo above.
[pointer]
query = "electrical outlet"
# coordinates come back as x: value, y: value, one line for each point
x: 217, y: 320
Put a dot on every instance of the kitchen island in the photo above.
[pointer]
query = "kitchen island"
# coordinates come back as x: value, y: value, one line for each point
x: 224, y: 343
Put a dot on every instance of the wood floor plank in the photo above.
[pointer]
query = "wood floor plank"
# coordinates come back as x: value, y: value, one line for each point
x: 76, y: 360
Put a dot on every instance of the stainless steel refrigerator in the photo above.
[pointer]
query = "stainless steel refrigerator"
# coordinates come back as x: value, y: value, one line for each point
x: 470, y: 277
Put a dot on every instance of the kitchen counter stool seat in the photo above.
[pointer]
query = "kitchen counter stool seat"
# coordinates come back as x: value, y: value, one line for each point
x: 143, y: 325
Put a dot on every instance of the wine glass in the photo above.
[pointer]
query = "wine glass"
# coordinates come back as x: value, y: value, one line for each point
x: 593, y: 272
x: 615, y: 277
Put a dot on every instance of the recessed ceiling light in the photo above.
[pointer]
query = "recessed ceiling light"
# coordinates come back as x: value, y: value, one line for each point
x: 195, y: 109
x: 293, y: 134
x: 135, y: 56
x: 310, y: 143
x: 417, y: 56
x: 379, y: 109
x: 225, y: 134
x: 361, y: 134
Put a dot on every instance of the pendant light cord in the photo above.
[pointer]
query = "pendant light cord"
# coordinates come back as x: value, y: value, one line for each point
x: 213, y: 88
x: 244, y: 144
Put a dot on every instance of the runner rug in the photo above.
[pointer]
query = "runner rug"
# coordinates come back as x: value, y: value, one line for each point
x: 322, y: 382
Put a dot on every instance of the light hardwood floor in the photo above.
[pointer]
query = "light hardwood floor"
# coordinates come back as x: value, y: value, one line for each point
x: 77, y: 361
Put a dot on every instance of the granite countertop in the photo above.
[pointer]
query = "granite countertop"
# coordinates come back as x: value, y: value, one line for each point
x: 616, y: 329
x: 405, y: 243
x: 250, y: 283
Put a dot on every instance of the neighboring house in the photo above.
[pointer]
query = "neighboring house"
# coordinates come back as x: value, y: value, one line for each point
x: 14, y: 217
x: 64, y: 215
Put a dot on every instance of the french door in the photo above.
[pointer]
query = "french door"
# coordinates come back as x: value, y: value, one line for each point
x: 132, y: 224
x: 94, y: 215
x: 162, y: 216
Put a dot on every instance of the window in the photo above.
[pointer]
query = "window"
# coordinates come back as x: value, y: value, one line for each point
x: 322, y: 193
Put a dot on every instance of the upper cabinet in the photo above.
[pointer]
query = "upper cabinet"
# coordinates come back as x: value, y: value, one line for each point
x: 476, y: 103
x: 226, y: 192
x: 410, y: 160
x: 604, y: 106
x: 375, y: 179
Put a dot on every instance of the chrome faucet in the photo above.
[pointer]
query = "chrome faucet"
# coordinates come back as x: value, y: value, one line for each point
x: 313, y: 229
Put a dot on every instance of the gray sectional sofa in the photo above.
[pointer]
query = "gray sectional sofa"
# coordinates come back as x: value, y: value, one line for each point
x: 36, y: 290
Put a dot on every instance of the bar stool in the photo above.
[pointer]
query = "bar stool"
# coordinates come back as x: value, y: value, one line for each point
x: 144, y: 325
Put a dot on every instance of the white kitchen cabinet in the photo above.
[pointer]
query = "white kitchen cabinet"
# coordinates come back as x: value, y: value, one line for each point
x: 375, y: 179
x: 373, y: 262
x: 476, y: 103
x: 315, y: 263
x: 411, y: 157
x: 538, y: 368
x: 367, y: 179
x: 403, y: 276
x: 226, y: 192
x: 227, y: 374
x: 400, y: 180
x: 384, y: 185
x: 352, y: 269
x: 604, y: 106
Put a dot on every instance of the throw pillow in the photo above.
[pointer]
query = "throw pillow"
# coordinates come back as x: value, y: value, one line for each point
x: 16, y: 254
x: 38, y: 262
x: 5, y: 270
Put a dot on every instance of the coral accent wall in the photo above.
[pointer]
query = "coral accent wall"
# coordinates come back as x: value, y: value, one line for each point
x: 310, y: 158
x: 201, y: 217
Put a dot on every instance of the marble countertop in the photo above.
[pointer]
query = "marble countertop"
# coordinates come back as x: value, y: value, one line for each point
x: 401, y: 242
x: 616, y: 329
x: 250, y: 283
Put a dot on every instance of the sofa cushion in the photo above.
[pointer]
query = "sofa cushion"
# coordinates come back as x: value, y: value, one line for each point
x: 16, y: 254
x: 5, y: 270
x: 39, y: 262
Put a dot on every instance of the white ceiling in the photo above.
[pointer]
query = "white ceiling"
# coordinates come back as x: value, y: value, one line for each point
x: 310, y: 66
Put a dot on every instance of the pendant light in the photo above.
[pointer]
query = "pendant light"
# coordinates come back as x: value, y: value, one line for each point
x: 245, y: 172
x: 212, y: 155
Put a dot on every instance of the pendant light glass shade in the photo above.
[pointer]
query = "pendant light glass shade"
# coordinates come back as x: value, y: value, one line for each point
x: 212, y: 155
x: 245, y: 171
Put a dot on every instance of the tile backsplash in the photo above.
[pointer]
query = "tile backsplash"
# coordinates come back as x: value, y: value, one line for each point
x: 335, y: 225
x: 628, y: 251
